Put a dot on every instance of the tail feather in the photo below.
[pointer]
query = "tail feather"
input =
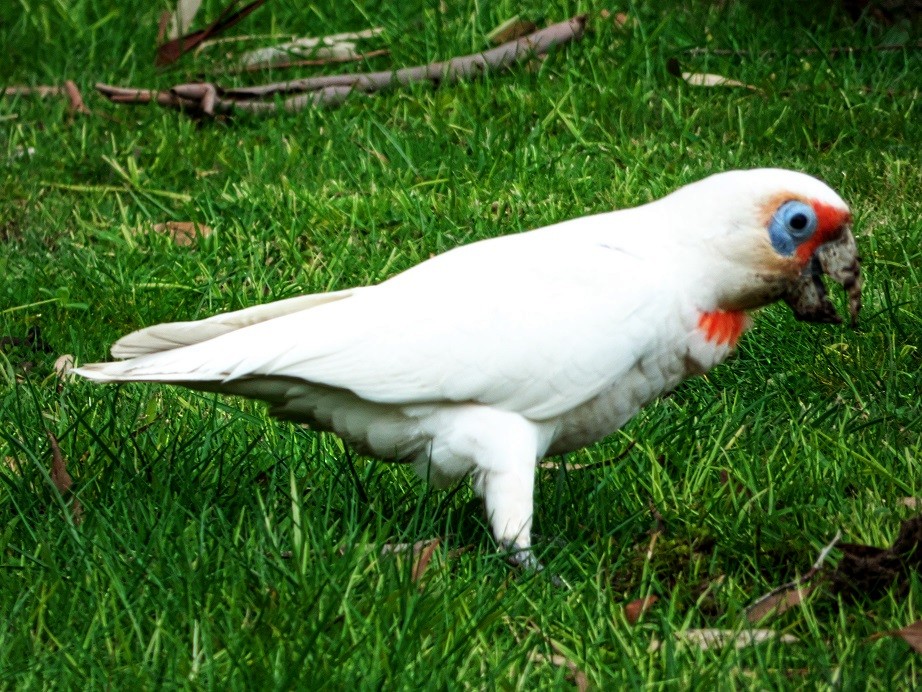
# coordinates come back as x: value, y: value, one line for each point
x: 128, y: 371
x: 172, y: 352
x: 170, y: 335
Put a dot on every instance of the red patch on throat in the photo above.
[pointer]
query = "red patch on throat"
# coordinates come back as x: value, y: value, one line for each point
x: 830, y: 222
x: 723, y: 327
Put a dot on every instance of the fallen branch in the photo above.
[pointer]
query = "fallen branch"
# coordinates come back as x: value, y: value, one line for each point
x: 69, y: 90
x: 446, y: 72
x: 207, y: 99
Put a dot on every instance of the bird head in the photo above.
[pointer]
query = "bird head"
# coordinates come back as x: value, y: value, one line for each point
x: 775, y: 234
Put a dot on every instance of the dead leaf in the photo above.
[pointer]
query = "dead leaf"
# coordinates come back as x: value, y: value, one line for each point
x: 64, y: 364
x: 709, y: 638
x: 162, y: 24
x: 637, y: 607
x: 12, y: 464
x: 911, y: 502
x: 332, y: 48
x: 59, y: 475
x: 182, y: 17
x: 510, y: 30
x: 778, y: 602
x: 867, y: 571
x: 333, y: 52
x: 343, y: 36
x: 183, y: 233
x: 404, y: 548
x: 577, y: 676
x: 422, y: 561
x: 704, y: 79
x: 61, y: 478
x: 173, y: 49
x: 911, y: 634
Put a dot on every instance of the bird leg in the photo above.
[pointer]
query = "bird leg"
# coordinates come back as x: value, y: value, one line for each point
x: 501, y: 449
x: 508, y: 502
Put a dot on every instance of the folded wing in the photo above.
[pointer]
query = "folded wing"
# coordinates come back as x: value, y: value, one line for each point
x: 532, y: 325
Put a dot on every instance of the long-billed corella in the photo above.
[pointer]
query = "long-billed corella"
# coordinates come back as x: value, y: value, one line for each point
x: 482, y: 360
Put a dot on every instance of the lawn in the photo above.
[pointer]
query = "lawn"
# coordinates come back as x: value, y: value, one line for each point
x: 215, y: 546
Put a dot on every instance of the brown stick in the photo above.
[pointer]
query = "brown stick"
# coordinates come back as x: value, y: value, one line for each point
x: 40, y: 91
x: 447, y: 72
x: 208, y: 99
x: 69, y: 90
x: 76, y: 99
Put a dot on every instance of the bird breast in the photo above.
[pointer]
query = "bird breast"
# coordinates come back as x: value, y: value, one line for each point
x: 690, y: 344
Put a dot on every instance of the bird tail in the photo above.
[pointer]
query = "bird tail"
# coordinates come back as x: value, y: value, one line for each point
x: 151, y: 354
x: 170, y: 335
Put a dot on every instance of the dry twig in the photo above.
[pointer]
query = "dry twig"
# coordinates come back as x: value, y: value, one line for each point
x: 208, y: 99
x: 70, y: 90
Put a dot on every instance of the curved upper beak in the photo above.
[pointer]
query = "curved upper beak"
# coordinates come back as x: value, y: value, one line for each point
x: 838, y: 259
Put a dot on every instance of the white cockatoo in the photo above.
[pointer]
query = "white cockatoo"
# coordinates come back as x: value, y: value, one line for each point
x: 482, y: 360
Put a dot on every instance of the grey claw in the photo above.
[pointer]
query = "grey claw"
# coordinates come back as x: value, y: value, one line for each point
x: 525, y: 559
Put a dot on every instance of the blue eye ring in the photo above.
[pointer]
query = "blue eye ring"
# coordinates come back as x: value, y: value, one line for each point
x: 792, y: 224
x: 799, y: 219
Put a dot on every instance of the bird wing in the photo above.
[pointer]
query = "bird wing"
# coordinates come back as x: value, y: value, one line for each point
x: 536, y: 323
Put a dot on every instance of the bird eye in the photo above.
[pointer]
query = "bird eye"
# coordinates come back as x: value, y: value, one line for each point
x: 792, y: 224
x: 799, y: 219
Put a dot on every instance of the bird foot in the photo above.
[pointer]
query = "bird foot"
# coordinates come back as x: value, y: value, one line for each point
x: 524, y: 559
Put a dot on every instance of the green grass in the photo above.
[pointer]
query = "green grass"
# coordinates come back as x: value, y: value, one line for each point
x: 221, y: 547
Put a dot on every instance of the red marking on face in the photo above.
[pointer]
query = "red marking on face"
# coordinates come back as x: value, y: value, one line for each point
x: 830, y: 222
x: 723, y: 326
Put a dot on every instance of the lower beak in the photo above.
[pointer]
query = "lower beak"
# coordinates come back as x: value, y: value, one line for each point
x: 837, y: 259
